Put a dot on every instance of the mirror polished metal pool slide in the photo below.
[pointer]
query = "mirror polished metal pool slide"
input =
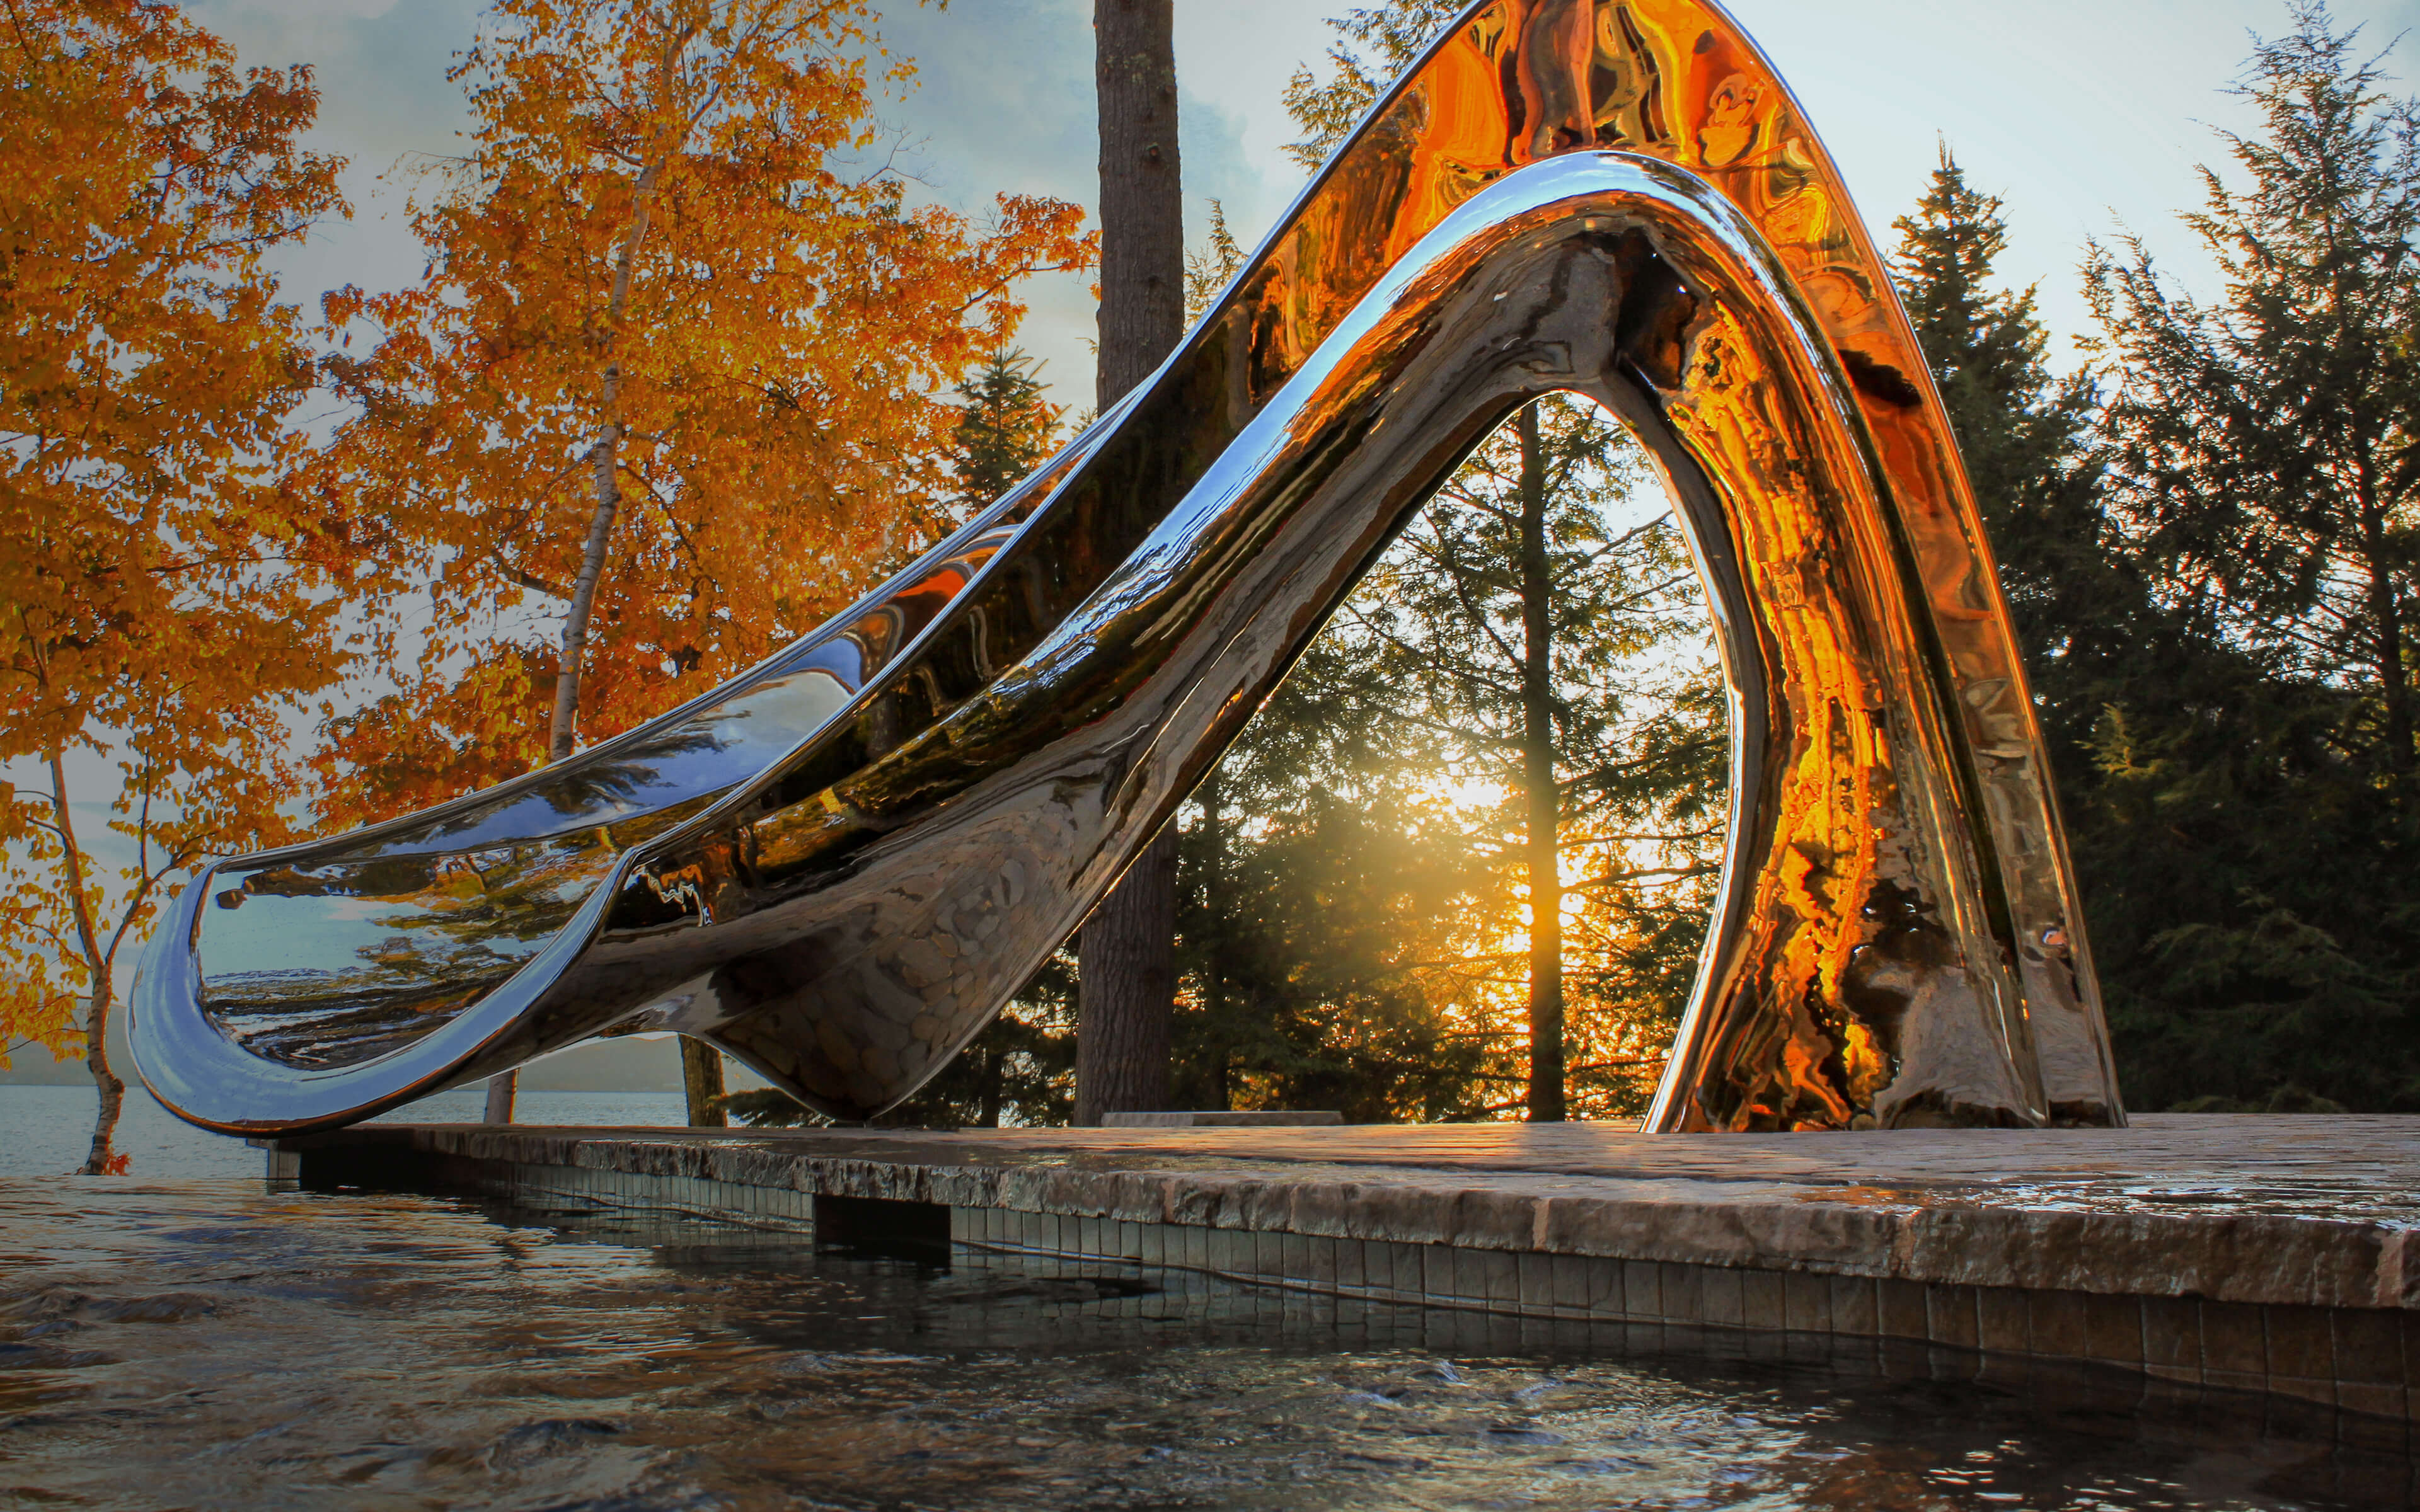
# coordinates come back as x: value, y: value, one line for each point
x: 838, y: 866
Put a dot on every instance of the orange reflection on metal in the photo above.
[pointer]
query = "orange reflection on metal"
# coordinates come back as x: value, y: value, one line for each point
x: 1946, y: 808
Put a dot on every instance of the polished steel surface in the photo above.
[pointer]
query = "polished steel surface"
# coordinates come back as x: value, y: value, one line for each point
x: 838, y: 866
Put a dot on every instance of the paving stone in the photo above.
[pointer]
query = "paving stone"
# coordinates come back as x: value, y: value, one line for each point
x: 1807, y: 1302
x: 1535, y: 1290
x: 1570, y: 1284
x: 1951, y: 1315
x: 1498, y: 1277
x: 1642, y: 1290
x: 2233, y: 1342
x: 1722, y: 1297
x: 1855, y: 1312
x: 2368, y: 1348
x: 2054, y: 1325
x: 1267, y: 1248
x: 2301, y: 1342
x: 1762, y: 1305
x: 1606, y: 1291
x: 2002, y: 1319
x: 1906, y: 1311
x: 2372, y: 1402
x: 2172, y: 1338
x: 2112, y: 1329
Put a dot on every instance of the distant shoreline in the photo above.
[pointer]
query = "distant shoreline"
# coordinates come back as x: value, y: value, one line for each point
x: 626, y: 1063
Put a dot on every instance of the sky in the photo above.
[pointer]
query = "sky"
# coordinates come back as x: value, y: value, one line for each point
x: 2089, y: 116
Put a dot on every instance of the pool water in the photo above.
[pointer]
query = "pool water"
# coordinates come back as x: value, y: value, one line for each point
x: 218, y: 1344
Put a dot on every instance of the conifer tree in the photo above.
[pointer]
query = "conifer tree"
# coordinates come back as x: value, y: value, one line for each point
x: 2186, y: 760
x: 1374, y: 44
x: 1005, y: 427
x: 1362, y: 871
x: 2268, y: 443
x: 2252, y: 833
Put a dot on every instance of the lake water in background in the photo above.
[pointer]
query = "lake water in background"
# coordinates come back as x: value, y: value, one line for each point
x: 46, y: 1131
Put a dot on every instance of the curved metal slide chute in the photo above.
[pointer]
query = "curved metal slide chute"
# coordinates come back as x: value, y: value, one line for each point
x: 838, y: 866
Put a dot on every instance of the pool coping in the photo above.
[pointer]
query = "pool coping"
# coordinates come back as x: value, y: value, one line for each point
x: 2112, y: 1247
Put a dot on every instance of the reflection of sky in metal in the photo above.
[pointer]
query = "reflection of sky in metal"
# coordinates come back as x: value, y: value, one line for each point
x: 341, y: 926
x: 280, y: 942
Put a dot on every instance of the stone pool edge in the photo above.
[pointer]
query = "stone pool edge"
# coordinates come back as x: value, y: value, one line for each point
x: 2324, y: 1311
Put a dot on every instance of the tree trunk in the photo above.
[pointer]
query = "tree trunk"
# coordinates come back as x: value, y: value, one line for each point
x: 702, y: 1082
x: 604, y: 461
x: 1142, y: 205
x: 993, y: 1068
x: 2385, y: 607
x: 1126, y: 983
x: 1127, y: 954
x: 100, y: 994
x: 1539, y: 790
x: 1212, y: 795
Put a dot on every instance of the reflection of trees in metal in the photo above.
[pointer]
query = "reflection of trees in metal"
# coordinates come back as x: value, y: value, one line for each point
x: 449, y: 918
x: 863, y: 879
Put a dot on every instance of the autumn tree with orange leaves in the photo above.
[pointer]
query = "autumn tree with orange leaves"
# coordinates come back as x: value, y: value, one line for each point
x: 165, y: 604
x: 675, y: 386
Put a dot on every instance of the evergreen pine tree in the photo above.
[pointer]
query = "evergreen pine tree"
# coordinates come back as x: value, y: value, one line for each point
x: 2253, y: 815
x: 2194, y: 770
x: 1373, y: 45
x: 1006, y: 429
x: 1360, y: 872
x: 2269, y: 442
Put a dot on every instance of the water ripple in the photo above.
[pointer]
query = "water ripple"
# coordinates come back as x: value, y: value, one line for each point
x: 218, y: 1346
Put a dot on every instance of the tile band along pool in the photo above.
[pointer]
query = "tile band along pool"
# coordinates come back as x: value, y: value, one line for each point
x: 2212, y: 1253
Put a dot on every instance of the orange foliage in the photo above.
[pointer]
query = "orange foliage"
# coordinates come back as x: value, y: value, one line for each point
x: 662, y: 315
x: 165, y: 605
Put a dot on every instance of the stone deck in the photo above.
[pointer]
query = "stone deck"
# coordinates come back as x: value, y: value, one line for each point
x: 2277, y: 1254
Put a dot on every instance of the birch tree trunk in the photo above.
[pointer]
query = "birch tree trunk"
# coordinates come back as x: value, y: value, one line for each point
x: 101, y: 991
x: 604, y: 462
